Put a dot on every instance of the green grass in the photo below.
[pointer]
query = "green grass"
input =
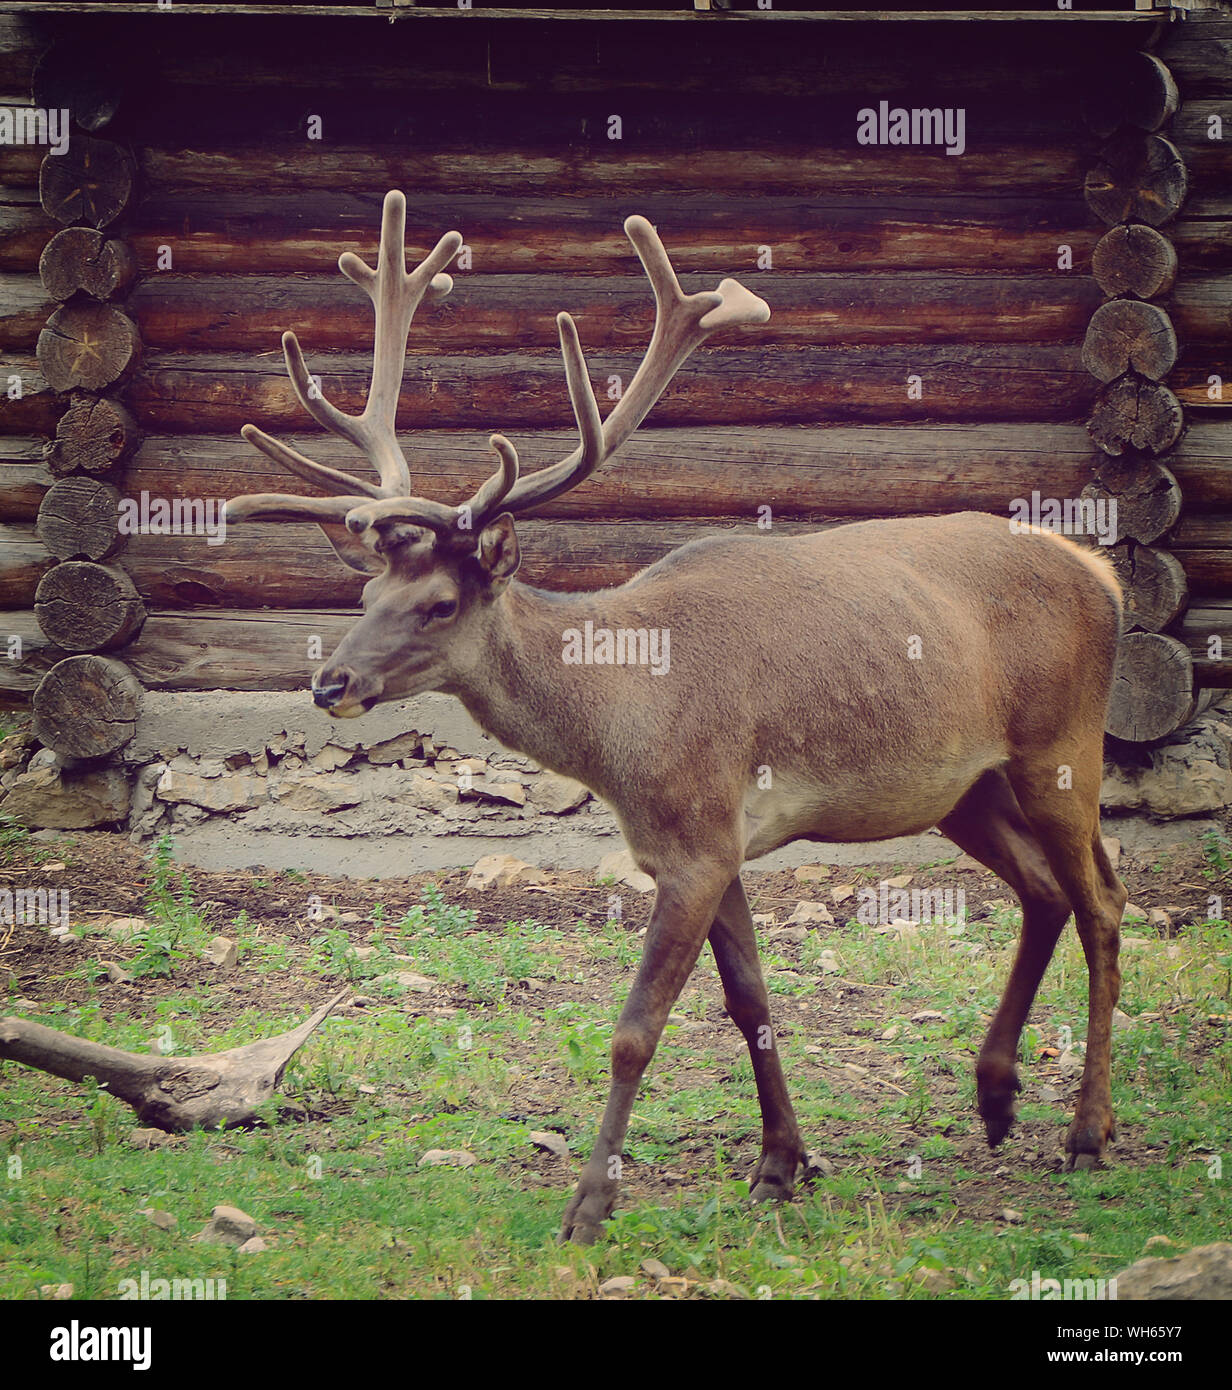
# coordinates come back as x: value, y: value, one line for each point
x: 349, y: 1213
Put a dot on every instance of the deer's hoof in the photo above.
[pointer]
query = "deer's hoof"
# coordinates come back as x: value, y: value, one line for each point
x: 1081, y: 1163
x: 770, y: 1190
x: 579, y: 1233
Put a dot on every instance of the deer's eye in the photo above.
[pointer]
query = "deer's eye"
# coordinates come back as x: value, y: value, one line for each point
x: 440, y: 611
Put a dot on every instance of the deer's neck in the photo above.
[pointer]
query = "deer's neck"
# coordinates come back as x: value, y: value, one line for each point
x: 519, y: 689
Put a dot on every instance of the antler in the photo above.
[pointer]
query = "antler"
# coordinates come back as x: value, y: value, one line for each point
x: 395, y: 295
x: 682, y: 323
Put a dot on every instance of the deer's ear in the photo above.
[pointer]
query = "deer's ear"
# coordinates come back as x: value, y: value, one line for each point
x: 352, y: 551
x: 498, y: 554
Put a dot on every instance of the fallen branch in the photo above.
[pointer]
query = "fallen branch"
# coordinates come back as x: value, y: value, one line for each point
x: 171, y: 1093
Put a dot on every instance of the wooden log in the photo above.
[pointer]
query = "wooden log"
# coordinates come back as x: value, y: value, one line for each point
x: 620, y: 169
x: 84, y: 607
x: 1153, y: 688
x: 1134, y: 259
x: 1198, y: 530
x: 83, y: 79
x: 86, y: 707
x: 1139, y: 178
x: 803, y: 472
x: 249, y: 312
x: 1127, y: 335
x: 223, y: 231
x: 24, y: 560
x: 78, y: 519
x: 734, y: 384
x: 93, y: 436
x: 1154, y: 585
x: 1207, y: 632
x: 80, y: 258
x: 25, y: 309
x: 88, y: 346
x: 25, y: 655
x: 1136, y: 414
x: 91, y: 182
x: 1207, y: 572
x: 1145, y: 494
x: 24, y: 478
x: 1135, y: 89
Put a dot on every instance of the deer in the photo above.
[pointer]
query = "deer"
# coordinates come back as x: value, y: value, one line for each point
x: 871, y: 680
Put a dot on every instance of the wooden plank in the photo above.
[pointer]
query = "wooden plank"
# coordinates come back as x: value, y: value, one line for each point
x: 1197, y: 628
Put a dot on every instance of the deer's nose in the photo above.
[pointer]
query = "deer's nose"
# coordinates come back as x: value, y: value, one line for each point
x: 328, y: 693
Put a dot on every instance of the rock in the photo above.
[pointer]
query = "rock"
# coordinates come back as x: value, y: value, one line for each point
x: 811, y: 914
x: 620, y: 866
x: 1121, y: 1021
x: 828, y: 962
x: 330, y: 758
x: 14, y: 750
x: 125, y: 928
x: 928, y: 1016
x: 1011, y: 1217
x: 320, y: 792
x: 1071, y: 1061
x: 796, y: 936
x: 1189, y: 773
x: 116, y: 975
x: 221, y: 952
x: 900, y: 881
x: 618, y: 1284
x: 1156, y: 917
x: 43, y: 758
x: 890, y: 1033
x: 551, y: 1141
x: 1112, y: 848
x: 227, y: 1226
x: 237, y: 792
x: 1202, y: 1273
x: 362, y: 953
x: 656, y: 1269
x: 1159, y: 1243
x: 147, y: 1138
x: 1048, y: 1094
x: 448, y: 1158
x: 501, y: 871
x: 503, y: 793
x: 429, y: 793
x: 1134, y: 913
x: 52, y: 798
x: 812, y: 873
x: 162, y: 1219
x: 59, y: 1292
x: 841, y: 892
x: 408, y: 979
x: 254, y: 1245
x: 393, y: 750
x: 556, y: 794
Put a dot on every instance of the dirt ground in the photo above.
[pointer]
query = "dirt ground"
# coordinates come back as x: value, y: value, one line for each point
x: 109, y: 877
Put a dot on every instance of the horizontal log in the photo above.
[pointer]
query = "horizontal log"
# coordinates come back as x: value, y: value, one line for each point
x: 1199, y: 56
x: 223, y: 231
x: 729, y: 385
x: 1207, y: 571
x: 1197, y: 530
x: 1206, y: 630
x: 86, y: 707
x: 25, y: 655
x: 1153, y: 687
x: 620, y: 168
x: 495, y: 312
x: 24, y: 559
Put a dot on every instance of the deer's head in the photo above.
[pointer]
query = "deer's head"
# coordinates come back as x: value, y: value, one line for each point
x: 438, y: 571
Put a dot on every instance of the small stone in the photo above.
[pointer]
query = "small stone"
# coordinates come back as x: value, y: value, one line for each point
x: 1011, y: 1217
x: 890, y: 1033
x: 407, y: 979
x: 1201, y: 1274
x: 162, y: 1219
x: 331, y: 758
x: 841, y: 892
x: 1134, y: 913
x: 227, y: 1226
x: 900, y: 881
x: 656, y: 1269
x: 618, y: 1284
x: 928, y: 1016
x: 501, y: 871
x: 557, y: 795
x: 1071, y: 1061
x: 1048, y: 1094
x: 1158, y: 918
x: 1112, y: 848
x: 1121, y: 1021
x: 1159, y: 1243
x: 828, y: 962
x: 620, y: 866
x: 222, y: 952
x: 547, y: 1139
x: 811, y: 914
x: 795, y: 936
x: 448, y: 1158
x: 59, y: 1292
x: 254, y: 1245
x: 393, y: 750
x: 504, y: 793
x: 817, y: 1164
x: 116, y: 975
x: 237, y: 792
x: 932, y: 1280
x: 812, y: 873
x: 147, y: 1138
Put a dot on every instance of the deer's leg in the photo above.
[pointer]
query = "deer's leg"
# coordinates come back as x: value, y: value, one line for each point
x: 684, y: 909
x: 1067, y: 823
x: 989, y: 824
x: 734, y: 941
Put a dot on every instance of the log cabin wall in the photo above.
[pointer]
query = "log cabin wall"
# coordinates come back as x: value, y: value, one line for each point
x: 924, y: 354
